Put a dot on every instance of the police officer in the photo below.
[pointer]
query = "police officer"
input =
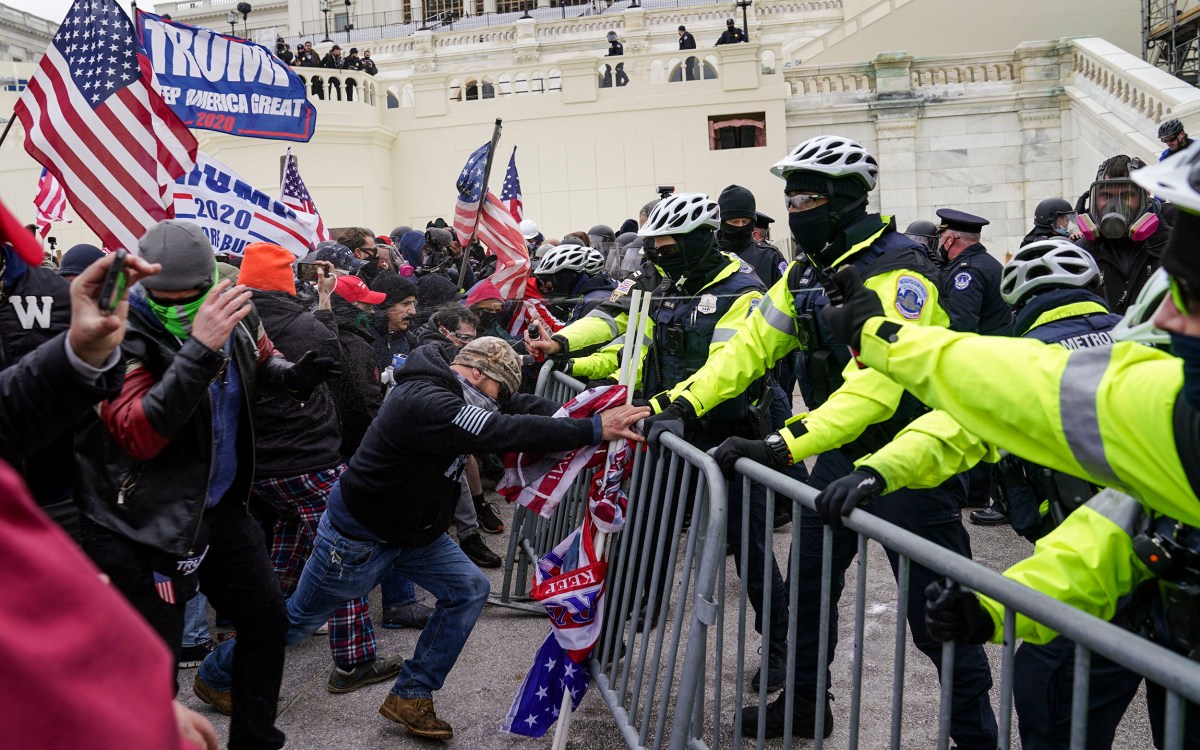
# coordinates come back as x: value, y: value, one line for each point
x: 853, y: 413
x: 704, y: 298
x: 732, y: 34
x: 737, y: 235
x: 970, y: 281
x: 925, y: 233
x: 615, y: 49
x: 1052, y: 218
x: 571, y: 278
x: 762, y: 228
x: 1137, y: 428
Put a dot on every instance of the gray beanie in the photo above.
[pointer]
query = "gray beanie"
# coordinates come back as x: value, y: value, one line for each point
x: 185, y: 253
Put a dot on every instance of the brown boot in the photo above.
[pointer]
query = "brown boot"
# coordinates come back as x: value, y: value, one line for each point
x: 417, y: 715
x: 220, y: 700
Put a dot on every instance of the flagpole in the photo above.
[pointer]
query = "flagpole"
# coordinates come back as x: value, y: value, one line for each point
x: 487, y: 170
x: 7, y: 128
x: 639, y: 309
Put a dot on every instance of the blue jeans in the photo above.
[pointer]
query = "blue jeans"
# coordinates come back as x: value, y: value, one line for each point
x: 341, y: 569
x: 195, y: 621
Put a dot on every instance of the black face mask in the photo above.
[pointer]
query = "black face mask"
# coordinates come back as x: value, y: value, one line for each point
x: 486, y: 319
x: 810, y: 229
x: 674, y: 265
x: 734, y: 237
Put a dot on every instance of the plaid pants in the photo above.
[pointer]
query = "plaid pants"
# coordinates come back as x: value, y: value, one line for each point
x: 300, y: 501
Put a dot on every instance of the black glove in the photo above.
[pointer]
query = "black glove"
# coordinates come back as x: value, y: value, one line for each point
x: 858, y: 305
x: 954, y: 614
x: 729, y: 451
x: 859, y: 487
x: 308, y: 372
x: 676, y: 419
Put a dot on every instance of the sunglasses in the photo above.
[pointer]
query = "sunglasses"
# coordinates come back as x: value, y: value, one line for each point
x: 1170, y: 139
x: 802, y: 201
x: 666, y: 251
x: 466, y: 338
x: 1181, y: 291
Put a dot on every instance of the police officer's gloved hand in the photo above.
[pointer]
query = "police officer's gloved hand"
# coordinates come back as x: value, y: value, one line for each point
x: 677, y: 419
x: 954, y: 614
x: 729, y: 451
x: 312, y: 369
x: 859, y: 305
x: 857, y: 488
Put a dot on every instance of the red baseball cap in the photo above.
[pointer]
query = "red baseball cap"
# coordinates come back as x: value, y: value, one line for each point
x: 353, y: 289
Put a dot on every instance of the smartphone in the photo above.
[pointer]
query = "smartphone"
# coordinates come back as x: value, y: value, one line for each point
x: 308, y: 271
x: 114, y: 283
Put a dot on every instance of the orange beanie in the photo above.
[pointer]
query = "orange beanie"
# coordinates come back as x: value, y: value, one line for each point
x: 268, y: 267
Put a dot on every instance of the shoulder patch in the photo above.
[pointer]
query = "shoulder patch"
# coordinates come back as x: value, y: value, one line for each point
x: 621, y: 290
x: 911, y: 296
x: 754, y: 303
x: 782, y: 267
x: 472, y: 418
x: 745, y: 268
x: 962, y: 281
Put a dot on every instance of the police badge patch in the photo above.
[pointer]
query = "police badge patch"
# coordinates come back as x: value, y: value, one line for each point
x: 911, y: 295
x: 962, y: 281
x: 708, y: 304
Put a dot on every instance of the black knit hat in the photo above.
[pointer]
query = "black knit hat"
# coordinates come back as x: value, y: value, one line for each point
x: 395, y: 288
x: 736, y: 202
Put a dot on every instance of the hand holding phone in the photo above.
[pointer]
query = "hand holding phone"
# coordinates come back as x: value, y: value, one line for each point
x: 115, y: 281
x: 307, y: 271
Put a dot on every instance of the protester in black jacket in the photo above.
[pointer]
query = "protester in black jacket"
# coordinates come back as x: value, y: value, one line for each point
x: 391, y: 323
x: 357, y: 392
x: 166, y: 473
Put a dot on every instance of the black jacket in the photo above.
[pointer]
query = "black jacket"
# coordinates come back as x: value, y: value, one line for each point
x: 687, y: 41
x: 146, y: 465
x: 1037, y: 234
x: 403, y: 482
x: 731, y: 35
x: 295, y: 438
x: 357, y: 393
x: 387, y: 344
x: 1126, y: 265
x: 35, y: 307
x: 765, y: 259
x: 970, y: 293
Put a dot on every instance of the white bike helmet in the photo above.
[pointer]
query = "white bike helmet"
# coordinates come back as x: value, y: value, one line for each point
x: 595, y: 262
x: 1177, y: 179
x: 566, y: 257
x: 1138, y: 323
x: 830, y: 155
x: 681, y: 213
x: 1054, y: 263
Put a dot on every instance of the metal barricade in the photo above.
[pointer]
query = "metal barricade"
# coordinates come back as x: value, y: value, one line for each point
x: 532, y: 536
x: 662, y: 576
x: 715, y: 716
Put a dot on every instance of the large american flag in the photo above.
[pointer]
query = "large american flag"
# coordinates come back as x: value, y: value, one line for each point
x: 497, y: 229
x: 93, y: 119
x: 294, y: 194
x: 50, y: 202
x: 510, y: 191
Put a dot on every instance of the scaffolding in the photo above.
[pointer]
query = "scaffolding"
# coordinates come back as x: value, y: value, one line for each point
x: 1171, y: 37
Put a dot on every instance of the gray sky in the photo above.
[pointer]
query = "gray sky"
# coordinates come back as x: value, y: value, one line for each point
x: 56, y: 10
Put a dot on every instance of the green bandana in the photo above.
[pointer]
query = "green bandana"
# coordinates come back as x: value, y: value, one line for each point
x: 176, y: 318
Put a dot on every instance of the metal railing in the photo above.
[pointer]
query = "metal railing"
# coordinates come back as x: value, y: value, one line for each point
x: 712, y: 710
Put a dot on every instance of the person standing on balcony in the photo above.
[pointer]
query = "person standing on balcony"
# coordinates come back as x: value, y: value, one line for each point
x: 615, y: 49
x: 368, y: 65
x: 732, y: 34
x: 1174, y: 137
x: 353, y: 61
x: 687, y: 41
x: 308, y: 57
x: 334, y: 59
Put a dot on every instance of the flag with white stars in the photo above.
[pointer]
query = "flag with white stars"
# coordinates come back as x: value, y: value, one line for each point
x: 569, y: 584
x: 93, y: 119
x: 510, y: 191
x: 497, y: 229
x: 295, y: 194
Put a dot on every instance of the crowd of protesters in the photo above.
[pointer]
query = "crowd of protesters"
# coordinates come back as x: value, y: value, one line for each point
x: 359, y: 401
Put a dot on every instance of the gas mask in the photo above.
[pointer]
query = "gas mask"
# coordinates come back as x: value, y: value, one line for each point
x: 1123, y: 209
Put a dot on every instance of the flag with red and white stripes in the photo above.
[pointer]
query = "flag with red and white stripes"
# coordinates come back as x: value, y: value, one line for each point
x: 293, y: 192
x: 93, y: 119
x: 165, y: 587
x: 497, y: 228
x: 50, y: 203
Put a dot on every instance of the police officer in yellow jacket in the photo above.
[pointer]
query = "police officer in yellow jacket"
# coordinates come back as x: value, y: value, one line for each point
x: 704, y: 298
x: 856, y: 412
x: 1125, y: 416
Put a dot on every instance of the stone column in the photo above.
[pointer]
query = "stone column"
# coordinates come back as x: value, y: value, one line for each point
x: 895, y: 111
x: 417, y: 9
x: 489, y: 6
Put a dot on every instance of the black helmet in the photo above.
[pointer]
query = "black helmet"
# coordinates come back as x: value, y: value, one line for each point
x: 922, y: 228
x: 1170, y: 128
x: 1049, y: 210
x: 603, y: 232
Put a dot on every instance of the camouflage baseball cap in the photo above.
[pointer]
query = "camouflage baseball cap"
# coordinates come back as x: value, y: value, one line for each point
x: 493, y: 357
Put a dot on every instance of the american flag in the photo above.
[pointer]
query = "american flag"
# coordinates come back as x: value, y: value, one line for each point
x: 50, y: 202
x: 497, y: 228
x: 295, y: 195
x: 93, y: 119
x: 165, y: 587
x: 510, y: 191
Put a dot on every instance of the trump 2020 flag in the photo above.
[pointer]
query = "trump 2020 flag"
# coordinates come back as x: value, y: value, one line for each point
x: 569, y: 584
x: 233, y: 213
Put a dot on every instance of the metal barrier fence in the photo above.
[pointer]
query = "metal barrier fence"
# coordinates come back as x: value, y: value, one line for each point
x: 712, y: 711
